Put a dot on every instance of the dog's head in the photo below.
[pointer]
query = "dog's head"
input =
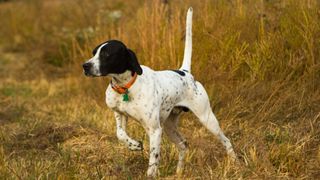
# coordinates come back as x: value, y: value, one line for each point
x: 111, y: 57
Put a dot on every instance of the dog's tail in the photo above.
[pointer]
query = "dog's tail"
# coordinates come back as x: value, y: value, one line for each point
x: 186, y: 64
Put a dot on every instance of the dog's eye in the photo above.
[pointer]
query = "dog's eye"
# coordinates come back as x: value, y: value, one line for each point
x: 104, y: 54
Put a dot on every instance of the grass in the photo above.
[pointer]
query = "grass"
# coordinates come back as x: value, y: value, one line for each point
x: 259, y: 61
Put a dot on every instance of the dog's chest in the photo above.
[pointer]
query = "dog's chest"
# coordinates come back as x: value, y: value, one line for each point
x: 117, y: 103
x: 140, y: 106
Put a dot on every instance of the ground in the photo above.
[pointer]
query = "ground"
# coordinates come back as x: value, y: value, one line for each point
x: 262, y: 77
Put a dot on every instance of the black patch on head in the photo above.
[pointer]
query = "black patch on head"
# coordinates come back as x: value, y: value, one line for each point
x: 181, y: 73
x: 115, y: 58
x: 134, y: 62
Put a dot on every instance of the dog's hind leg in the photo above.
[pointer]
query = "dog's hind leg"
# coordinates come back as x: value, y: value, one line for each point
x: 170, y: 128
x: 121, y: 121
x: 199, y: 104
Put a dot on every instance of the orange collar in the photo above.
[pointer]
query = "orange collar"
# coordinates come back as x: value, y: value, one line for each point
x: 124, y: 89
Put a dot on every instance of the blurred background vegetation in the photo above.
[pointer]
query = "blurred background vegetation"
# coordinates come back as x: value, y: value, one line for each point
x: 258, y: 59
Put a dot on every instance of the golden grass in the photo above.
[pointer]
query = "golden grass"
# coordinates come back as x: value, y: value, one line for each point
x: 259, y: 61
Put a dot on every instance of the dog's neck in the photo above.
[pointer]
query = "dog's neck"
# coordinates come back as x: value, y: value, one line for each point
x: 121, y: 79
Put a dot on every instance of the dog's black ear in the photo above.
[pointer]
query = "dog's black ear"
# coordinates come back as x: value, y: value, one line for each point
x: 134, y: 62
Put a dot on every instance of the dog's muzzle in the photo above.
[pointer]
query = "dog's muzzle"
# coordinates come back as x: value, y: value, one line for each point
x: 87, y: 69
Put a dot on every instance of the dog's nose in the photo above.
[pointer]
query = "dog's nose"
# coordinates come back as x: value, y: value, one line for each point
x: 86, y: 66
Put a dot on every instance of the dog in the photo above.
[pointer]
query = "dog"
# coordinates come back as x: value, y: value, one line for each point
x: 155, y: 99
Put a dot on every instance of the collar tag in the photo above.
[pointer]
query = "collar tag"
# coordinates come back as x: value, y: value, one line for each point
x: 126, y: 96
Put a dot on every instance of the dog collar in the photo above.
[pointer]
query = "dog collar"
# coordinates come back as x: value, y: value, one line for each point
x: 124, y: 90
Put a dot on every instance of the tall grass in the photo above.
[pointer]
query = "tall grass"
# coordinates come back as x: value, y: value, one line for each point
x: 259, y: 61
x: 258, y: 39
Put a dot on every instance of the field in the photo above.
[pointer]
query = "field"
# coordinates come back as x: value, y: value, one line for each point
x: 258, y: 59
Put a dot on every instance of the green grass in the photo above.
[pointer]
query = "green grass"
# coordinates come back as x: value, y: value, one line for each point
x: 258, y: 60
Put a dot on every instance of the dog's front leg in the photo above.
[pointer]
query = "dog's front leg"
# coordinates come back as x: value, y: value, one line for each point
x: 155, y: 141
x: 122, y: 135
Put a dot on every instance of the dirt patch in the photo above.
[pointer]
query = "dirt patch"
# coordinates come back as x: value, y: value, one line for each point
x: 42, y: 138
x: 106, y: 154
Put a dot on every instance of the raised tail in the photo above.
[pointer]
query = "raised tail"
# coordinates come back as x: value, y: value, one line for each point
x: 186, y: 64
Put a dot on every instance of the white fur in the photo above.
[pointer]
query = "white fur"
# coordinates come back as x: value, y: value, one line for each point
x: 156, y: 101
x: 186, y: 65
x: 95, y: 61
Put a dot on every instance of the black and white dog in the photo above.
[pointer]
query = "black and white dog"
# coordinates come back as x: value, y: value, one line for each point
x: 154, y: 98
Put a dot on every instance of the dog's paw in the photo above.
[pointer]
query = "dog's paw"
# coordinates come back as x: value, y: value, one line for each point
x: 137, y: 146
x: 152, y: 171
x: 180, y: 167
x: 233, y: 158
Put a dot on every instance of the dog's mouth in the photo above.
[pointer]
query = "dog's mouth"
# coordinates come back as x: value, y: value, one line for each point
x: 86, y: 73
x: 89, y: 74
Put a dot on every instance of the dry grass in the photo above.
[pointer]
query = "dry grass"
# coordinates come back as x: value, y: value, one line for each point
x: 259, y: 61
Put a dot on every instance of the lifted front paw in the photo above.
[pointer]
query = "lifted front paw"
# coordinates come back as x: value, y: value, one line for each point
x: 138, y: 146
